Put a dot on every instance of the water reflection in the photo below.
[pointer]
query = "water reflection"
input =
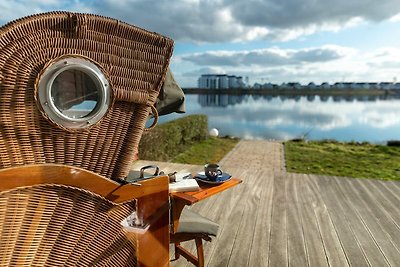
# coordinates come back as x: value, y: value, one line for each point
x: 358, y: 118
x: 226, y: 100
x: 221, y: 100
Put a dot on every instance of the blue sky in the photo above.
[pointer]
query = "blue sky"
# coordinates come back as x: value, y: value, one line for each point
x: 265, y: 40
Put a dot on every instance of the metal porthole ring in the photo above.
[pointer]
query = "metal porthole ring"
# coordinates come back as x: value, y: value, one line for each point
x: 46, y: 78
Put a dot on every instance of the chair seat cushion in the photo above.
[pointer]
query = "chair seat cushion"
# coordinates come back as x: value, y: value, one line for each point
x: 192, y: 222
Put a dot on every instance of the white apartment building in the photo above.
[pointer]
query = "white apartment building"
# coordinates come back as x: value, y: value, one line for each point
x: 220, y: 81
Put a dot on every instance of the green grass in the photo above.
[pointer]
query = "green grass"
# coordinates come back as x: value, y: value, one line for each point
x: 210, y: 150
x: 343, y: 159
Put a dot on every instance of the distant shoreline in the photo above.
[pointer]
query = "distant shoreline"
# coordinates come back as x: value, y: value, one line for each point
x: 301, y: 92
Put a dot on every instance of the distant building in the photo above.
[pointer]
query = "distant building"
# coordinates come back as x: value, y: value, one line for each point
x: 293, y: 85
x: 223, y: 81
x: 361, y: 85
x: 374, y: 86
x: 396, y: 86
x: 338, y: 85
x: 235, y: 81
x: 325, y: 85
x: 257, y: 86
x: 283, y: 86
x: 220, y: 81
x: 263, y: 86
x: 268, y: 86
x: 312, y: 85
x: 386, y: 86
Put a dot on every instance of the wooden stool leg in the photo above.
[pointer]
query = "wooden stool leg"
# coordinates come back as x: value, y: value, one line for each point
x: 181, y: 251
x: 177, y: 250
x: 200, y: 252
x: 187, y: 255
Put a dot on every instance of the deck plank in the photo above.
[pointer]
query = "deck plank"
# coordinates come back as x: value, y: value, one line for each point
x: 225, y: 207
x: 262, y: 230
x: 297, y: 249
x: 393, y: 188
x: 395, y: 185
x: 278, y: 247
x: 308, y: 205
x: 363, y: 230
x: 332, y: 246
x: 252, y: 184
x: 275, y: 218
x: 381, y: 226
x: 388, y: 200
x: 229, y: 227
x: 245, y: 234
x: 352, y: 248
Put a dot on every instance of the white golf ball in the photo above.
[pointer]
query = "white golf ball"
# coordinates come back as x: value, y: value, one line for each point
x: 213, y: 132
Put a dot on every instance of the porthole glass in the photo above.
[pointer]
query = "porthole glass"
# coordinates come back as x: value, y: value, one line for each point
x: 74, y: 92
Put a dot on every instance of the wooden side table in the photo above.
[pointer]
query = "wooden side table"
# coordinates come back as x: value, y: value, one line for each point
x: 181, y: 199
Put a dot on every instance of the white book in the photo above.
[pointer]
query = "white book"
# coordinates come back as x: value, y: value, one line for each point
x: 183, y: 184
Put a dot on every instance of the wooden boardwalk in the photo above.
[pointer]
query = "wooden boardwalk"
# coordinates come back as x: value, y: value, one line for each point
x: 276, y: 218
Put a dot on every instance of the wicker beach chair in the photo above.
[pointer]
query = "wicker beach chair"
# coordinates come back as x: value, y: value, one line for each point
x: 133, y: 61
x: 47, y: 218
x: 75, y: 93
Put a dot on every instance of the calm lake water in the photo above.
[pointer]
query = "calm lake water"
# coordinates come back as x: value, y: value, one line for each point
x: 365, y: 118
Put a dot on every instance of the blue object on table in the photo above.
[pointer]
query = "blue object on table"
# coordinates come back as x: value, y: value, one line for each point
x: 220, y: 179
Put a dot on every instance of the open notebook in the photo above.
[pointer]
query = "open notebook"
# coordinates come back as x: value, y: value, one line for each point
x: 184, y: 182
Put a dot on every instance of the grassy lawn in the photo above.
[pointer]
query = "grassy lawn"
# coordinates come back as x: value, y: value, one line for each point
x: 210, y: 150
x: 343, y: 159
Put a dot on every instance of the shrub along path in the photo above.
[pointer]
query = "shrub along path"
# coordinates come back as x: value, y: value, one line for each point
x: 275, y: 218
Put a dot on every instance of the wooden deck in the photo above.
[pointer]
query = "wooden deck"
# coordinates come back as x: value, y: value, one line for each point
x: 276, y: 218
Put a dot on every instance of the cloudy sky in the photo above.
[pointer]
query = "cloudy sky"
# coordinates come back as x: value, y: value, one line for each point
x: 265, y: 40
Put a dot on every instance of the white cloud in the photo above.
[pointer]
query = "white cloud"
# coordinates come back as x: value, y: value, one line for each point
x: 14, y: 9
x: 264, y: 116
x: 329, y: 63
x: 292, y: 13
x: 269, y: 57
x: 395, y: 18
x: 222, y: 20
x: 374, y: 118
x: 323, y: 116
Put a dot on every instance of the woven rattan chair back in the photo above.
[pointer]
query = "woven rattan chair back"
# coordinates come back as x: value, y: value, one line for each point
x: 63, y: 216
x: 134, y: 61
x: 54, y: 225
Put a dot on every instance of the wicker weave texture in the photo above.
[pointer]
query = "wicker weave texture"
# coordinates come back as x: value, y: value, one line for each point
x: 33, y: 232
x: 135, y: 62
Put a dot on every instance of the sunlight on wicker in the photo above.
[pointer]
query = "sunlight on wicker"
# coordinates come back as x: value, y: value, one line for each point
x: 110, y: 74
x: 32, y: 231
x: 134, y: 62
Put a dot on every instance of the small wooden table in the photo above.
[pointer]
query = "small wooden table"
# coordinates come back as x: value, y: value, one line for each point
x: 181, y: 199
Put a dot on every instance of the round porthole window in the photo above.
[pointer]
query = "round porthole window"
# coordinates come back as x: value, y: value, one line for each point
x: 74, y: 92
